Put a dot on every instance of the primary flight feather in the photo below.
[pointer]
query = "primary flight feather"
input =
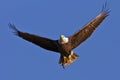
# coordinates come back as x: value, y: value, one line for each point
x: 65, y: 45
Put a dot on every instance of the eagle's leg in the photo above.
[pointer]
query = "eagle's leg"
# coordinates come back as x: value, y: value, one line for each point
x: 66, y: 60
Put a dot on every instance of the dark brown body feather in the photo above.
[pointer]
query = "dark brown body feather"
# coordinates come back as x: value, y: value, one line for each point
x: 65, y: 49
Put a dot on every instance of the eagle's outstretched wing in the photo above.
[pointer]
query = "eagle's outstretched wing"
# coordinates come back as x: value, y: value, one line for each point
x: 38, y: 40
x: 86, y: 31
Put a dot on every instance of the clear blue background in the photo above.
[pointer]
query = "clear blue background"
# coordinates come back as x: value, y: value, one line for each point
x: 20, y: 60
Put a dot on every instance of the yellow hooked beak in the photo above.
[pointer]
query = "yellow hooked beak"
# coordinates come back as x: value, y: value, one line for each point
x: 62, y: 37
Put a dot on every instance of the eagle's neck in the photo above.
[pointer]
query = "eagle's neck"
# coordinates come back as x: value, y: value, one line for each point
x: 63, y: 39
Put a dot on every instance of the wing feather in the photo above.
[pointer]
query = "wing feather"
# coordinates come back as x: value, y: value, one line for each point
x: 86, y: 31
x: 38, y: 40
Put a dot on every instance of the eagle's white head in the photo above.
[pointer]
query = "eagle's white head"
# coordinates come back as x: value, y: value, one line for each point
x: 63, y: 39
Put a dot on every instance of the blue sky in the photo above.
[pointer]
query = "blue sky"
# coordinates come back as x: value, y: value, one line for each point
x: 20, y: 60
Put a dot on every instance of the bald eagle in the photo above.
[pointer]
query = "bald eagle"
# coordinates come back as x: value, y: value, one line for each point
x: 65, y: 45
